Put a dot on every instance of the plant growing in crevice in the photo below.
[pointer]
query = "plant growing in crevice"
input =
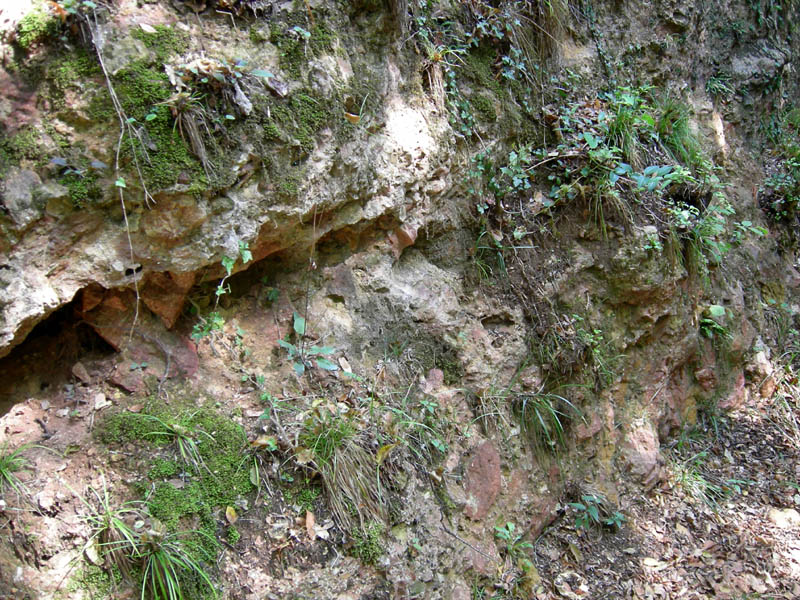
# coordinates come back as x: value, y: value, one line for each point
x: 214, y: 321
x: 544, y: 415
x: 710, y: 325
x: 718, y: 86
x: 350, y: 473
x: 114, y: 535
x: 303, y: 355
x: 514, y: 546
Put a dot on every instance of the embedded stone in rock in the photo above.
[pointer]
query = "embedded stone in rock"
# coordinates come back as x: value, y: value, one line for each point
x: 401, y: 238
x: 433, y: 381
x: 484, y: 557
x: 19, y: 199
x: 640, y: 451
x: 165, y: 293
x: 482, y: 481
x: 737, y: 396
x: 173, y: 219
x: 707, y: 378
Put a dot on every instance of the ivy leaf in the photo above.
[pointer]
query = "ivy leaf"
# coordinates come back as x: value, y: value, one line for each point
x: 327, y: 365
x: 245, y: 253
x: 715, y: 310
x: 228, y: 263
x: 299, y: 324
x: 120, y: 182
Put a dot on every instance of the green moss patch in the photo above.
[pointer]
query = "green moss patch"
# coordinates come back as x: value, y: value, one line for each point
x: 195, y: 502
x: 36, y: 27
x: 301, y: 117
x: 479, y: 67
x: 297, y: 44
x: 367, y: 545
x: 220, y: 478
x: 163, y: 155
x: 165, y: 42
x: 484, y: 108
x: 73, y: 70
x: 83, y: 188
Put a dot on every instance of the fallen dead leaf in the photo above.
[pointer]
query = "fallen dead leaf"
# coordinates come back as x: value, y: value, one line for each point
x: 310, y: 522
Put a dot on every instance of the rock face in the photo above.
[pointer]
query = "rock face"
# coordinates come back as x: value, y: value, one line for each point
x: 641, y: 452
x: 482, y: 481
x: 427, y: 208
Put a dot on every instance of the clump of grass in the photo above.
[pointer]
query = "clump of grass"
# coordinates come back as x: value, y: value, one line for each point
x: 112, y: 529
x: 162, y: 559
x: 673, y: 129
x: 544, y: 417
x: 165, y: 562
x: 182, y: 436
x: 11, y: 463
x: 349, y: 472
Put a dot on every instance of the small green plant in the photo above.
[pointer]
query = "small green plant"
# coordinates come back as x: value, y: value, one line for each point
x: 591, y: 512
x: 182, y: 436
x: 514, y: 546
x: 214, y: 321
x: 11, y: 463
x: 719, y: 86
x: 710, y: 326
x: 304, y: 356
x: 165, y: 562
x: 604, y: 361
x: 744, y: 229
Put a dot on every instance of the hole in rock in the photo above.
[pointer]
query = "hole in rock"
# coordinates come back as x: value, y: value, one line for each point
x: 42, y: 364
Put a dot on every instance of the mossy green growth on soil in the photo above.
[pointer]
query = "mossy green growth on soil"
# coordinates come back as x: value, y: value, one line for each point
x: 192, y: 506
x: 82, y: 188
x: 478, y: 65
x: 302, y: 116
x: 484, y: 108
x: 92, y: 583
x: 367, y: 543
x: 220, y: 479
x: 77, y: 70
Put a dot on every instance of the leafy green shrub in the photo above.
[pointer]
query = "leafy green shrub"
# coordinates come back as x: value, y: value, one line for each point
x: 592, y: 510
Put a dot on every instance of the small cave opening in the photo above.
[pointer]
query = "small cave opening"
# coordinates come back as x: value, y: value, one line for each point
x: 42, y: 364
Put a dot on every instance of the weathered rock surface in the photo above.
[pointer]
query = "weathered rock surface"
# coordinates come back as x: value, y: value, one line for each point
x: 482, y: 481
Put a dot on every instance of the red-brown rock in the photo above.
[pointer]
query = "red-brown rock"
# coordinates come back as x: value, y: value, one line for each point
x: 482, y: 481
